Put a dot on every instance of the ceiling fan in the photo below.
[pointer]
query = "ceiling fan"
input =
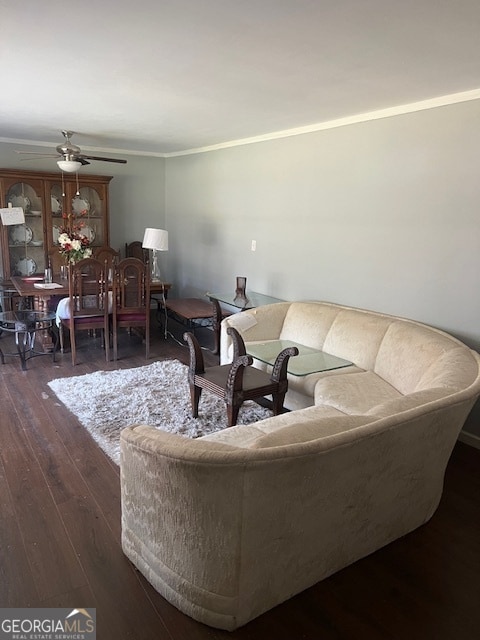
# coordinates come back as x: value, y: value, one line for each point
x: 70, y: 156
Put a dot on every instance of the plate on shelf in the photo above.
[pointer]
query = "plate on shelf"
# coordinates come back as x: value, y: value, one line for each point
x: 35, y: 213
x: 26, y: 266
x: 88, y: 232
x: 56, y: 205
x: 20, y: 201
x: 56, y: 231
x: 80, y: 206
x: 21, y: 234
x: 36, y: 243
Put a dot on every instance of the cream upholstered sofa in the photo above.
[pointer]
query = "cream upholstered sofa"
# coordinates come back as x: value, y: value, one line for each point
x: 229, y: 525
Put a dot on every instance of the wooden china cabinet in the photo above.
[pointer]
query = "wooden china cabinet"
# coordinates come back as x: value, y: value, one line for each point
x: 46, y: 198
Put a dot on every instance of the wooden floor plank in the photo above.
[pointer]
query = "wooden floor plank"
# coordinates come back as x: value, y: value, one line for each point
x: 16, y: 578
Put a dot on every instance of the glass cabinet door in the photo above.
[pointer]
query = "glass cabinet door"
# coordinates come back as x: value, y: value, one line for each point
x: 26, y: 242
x: 88, y: 209
x: 79, y: 207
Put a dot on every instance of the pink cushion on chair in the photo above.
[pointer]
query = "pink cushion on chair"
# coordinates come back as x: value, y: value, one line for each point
x: 131, y: 317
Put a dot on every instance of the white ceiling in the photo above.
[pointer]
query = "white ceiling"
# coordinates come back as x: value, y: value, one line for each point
x: 163, y: 76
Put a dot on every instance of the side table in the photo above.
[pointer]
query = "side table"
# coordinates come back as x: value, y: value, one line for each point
x: 250, y: 301
x: 25, y: 324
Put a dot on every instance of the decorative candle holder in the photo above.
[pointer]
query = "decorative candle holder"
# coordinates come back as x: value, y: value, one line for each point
x: 240, y: 291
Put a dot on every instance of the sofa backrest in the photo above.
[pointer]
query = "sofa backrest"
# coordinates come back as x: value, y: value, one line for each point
x: 308, y: 323
x: 408, y: 355
x: 413, y: 357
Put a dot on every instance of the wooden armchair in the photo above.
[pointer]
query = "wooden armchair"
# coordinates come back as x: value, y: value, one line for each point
x: 238, y: 381
x: 131, y: 300
x: 88, y: 302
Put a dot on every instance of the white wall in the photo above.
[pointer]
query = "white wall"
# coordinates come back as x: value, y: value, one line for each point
x: 382, y: 215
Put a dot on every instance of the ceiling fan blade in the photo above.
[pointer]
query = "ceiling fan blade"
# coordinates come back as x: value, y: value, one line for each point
x: 82, y: 160
x: 37, y: 153
x: 36, y: 158
x: 103, y: 159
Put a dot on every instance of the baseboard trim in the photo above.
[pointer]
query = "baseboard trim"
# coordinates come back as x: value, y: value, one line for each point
x: 470, y: 439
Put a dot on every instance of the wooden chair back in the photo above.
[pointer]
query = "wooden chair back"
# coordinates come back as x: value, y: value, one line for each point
x: 131, y: 300
x: 108, y: 256
x: 135, y: 250
x: 88, y: 301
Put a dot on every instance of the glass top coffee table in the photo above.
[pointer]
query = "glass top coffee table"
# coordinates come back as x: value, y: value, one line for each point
x: 309, y: 360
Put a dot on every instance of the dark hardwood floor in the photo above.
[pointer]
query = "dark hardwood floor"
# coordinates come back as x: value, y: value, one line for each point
x: 60, y: 532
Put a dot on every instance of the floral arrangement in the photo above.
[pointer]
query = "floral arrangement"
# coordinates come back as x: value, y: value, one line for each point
x: 74, y: 246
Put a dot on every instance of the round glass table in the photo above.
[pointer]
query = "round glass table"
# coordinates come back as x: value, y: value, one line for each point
x: 35, y: 334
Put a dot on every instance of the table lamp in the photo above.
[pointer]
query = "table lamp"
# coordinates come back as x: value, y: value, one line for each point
x: 157, y: 240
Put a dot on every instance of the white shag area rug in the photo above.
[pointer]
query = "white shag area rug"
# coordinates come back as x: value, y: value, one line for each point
x: 158, y: 394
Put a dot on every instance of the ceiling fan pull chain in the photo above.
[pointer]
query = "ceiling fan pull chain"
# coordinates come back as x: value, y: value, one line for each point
x: 78, y: 188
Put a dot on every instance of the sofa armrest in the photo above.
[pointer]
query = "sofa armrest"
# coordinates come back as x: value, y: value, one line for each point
x: 261, y: 323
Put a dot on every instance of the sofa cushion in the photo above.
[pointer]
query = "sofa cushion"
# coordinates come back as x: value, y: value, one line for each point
x: 356, y: 336
x: 246, y: 435
x: 307, y: 384
x: 309, y: 430
x: 354, y: 393
x: 410, y: 401
x: 407, y: 351
x: 308, y: 323
x: 454, y: 369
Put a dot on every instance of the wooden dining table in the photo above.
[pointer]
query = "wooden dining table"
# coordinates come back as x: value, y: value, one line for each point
x: 40, y: 296
x: 36, y: 288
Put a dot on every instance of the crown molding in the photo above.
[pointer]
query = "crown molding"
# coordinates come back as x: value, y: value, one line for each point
x: 433, y: 103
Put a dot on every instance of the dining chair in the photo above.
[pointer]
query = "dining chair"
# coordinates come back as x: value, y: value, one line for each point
x: 131, y: 300
x: 239, y: 381
x: 88, y: 303
x: 135, y: 250
x: 107, y: 256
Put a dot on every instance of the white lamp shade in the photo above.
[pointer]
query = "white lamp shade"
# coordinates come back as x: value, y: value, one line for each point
x: 155, y: 239
x: 70, y: 166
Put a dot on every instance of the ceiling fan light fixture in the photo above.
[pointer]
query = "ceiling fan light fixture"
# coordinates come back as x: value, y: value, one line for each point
x: 69, y: 166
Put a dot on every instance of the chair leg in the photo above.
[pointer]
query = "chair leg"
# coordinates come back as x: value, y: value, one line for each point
x: 277, y: 402
x: 147, y: 342
x: 232, y: 414
x: 73, y: 346
x: 195, y: 394
x: 115, y: 340
x: 106, y: 340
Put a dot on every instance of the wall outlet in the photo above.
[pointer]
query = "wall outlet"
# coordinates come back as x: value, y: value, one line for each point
x: 254, y: 245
